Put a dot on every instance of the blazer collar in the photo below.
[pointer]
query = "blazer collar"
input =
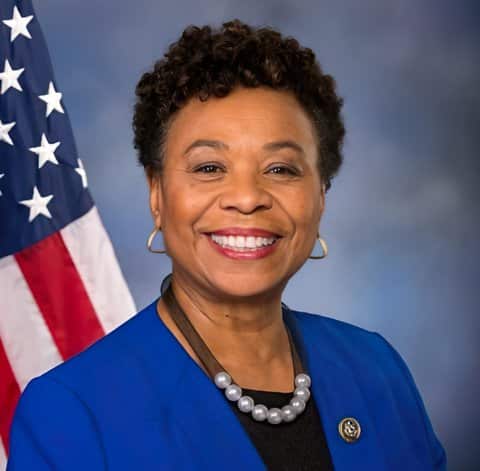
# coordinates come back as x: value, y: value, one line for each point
x: 212, y: 434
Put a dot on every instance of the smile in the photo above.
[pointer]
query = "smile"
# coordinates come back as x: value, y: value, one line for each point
x: 242, y: 243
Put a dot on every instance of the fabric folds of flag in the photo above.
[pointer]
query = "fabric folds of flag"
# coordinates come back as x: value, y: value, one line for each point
x: 60, y: 284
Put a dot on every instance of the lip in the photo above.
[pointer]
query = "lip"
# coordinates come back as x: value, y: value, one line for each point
x: 244, y: 231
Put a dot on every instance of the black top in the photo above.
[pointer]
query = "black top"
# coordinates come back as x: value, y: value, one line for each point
x: 299, y: 445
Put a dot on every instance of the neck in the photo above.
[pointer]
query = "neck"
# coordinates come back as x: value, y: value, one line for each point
x: 243, y: 331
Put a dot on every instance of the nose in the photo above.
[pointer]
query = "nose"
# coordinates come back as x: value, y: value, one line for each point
x: 245, y: 194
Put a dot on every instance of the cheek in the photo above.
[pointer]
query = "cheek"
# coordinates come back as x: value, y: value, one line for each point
x: 184, y: 205
x: 304, y: 210
x: 307, y: 227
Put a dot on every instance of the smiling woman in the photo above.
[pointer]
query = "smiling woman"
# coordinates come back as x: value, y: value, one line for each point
x: 240, y: 134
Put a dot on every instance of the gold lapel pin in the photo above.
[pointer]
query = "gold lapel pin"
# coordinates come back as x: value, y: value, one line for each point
x: 349, y: 429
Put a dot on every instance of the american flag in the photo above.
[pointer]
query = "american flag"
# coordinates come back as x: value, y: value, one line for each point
x: 60, y: 285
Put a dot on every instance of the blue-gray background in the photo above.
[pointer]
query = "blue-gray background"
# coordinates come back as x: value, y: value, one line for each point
x: 401, y: 220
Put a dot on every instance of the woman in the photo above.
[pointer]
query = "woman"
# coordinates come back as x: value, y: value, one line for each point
x: 240, y: 133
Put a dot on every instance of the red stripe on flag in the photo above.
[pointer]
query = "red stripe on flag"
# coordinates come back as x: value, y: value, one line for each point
x: 9, y: 394
x: 60, y: 294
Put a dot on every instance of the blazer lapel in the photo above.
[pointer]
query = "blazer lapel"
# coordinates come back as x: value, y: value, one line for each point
x: 216, y: 439
x: 338, y: 395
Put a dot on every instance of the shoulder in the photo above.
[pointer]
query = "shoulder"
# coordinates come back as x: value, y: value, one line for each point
x: 107, y: 386
x: 343, y: 341
x: 64, y: 406
x: 364, y: 354
x: 113, y: 359
x: 332, y: 325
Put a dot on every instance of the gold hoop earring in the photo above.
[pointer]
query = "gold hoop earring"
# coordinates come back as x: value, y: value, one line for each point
x: 324, y: 248
x: 150, y: 241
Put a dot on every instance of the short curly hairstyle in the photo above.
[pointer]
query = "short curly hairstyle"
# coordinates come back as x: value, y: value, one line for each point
x: 205, y: 62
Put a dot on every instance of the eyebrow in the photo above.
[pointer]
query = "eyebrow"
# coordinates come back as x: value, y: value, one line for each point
x: 270, y: 146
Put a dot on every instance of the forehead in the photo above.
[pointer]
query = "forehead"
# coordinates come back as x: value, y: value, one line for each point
x: 247, y: 116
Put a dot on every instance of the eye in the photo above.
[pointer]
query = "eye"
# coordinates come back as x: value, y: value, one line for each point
x: 208, y: 168
x: 283, y: 170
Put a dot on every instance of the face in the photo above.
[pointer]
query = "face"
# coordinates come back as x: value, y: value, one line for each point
x: 240, y: 198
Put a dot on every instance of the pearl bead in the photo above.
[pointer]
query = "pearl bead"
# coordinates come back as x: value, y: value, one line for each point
x: 274, y: 415
x: 288, y: 413
x: 302, y: 393
x: 302, y: 381
x: 259, y: 412
x: 222, y: 379
x: 298, y: 404
x: 233, y: 392
x: 245, y: 404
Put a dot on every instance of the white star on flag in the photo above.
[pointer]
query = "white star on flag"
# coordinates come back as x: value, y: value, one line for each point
x: 4, y: 130
x: 45, y: 152
x: 52, y: 99
x: 81, y: 171
x: 18, y: 25
x: 1, y: 176
x: 9, y: 78
x: 38, y: 205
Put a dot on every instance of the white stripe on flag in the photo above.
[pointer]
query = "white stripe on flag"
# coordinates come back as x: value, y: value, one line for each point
x: 3, y: 458
x: 93, y: 255
x: 28, y: 343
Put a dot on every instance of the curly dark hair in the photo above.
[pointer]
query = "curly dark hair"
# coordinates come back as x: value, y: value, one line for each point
x: 206, y: 62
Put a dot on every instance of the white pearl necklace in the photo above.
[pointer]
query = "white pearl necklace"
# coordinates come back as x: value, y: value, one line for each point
x: 260, y: 412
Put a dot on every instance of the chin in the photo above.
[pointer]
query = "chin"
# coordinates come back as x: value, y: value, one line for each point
x: 246, y: 285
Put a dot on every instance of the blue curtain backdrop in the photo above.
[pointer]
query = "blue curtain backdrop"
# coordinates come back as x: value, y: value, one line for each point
x: 401, y: 221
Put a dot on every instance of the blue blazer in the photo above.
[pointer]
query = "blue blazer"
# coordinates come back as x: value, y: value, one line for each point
x: 135, y: 400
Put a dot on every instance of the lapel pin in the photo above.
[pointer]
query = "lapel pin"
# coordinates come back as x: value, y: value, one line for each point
x: 349, y: 429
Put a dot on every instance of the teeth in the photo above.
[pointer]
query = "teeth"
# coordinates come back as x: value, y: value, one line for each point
x: 242, y: 242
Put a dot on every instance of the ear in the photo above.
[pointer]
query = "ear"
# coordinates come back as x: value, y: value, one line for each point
x: 321, y: 202
x: 156, y: 199
x: 322, y: 196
